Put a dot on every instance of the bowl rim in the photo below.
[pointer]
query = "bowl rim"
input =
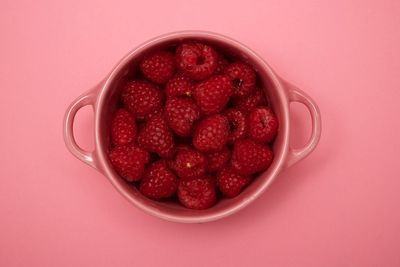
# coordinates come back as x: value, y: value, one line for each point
x: 203, y: 217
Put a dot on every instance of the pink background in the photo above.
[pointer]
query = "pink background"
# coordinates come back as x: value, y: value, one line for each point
x: 339, y: 207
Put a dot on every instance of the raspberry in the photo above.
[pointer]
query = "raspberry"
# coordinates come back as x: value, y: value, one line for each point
x: 217, y: 160
x: 158, y: 181
x: 196, y: 60
x: 155, y: 136
x: 172, y: 162
x: 222, y: 63
x: 211, y: 134
x: 246, y: 104
x: 190, y: 163
x: 249, y: 157
x: 230, y: 183
x: 141, y: 98
x: 181, y: 113
x: 157, y: 112
x: 179, y: 85
x: 237, y: 124
x: 243, y: 78
x: 129, y: 161
x: 213, y: 94
x: 263, y: 124
x: 197, y: 193
x: 158, y: 66
x: 123, y: 128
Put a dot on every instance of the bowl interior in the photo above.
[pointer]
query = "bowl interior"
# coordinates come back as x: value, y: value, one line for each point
x: 127, y: 69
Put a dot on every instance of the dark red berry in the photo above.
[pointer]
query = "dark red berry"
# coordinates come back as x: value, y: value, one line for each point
x: 263, y: 124
x: 123, y: 128
x: 155, y: 136
x: 129, y: 161
x: 237, y: 124
x: 158, y: 181
x: 211, y: 134
x: 217, y: 160
x: 197, y: 193
x: 196, y: 60
x: 181, y: 113
x: 158, y: 66
x: 213, y: 94
x: 243, y: 78
x: 141, y: 98
x: 230, y: 183
x: 249, y: 157
x: 246, y: 104
x: 190, y: 163
x: 180, y: 85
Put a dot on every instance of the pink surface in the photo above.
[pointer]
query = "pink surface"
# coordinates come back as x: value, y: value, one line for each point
x: 339, y: 207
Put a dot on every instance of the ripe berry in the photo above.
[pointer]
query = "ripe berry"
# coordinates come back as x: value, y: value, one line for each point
x: 123, y: 128
x: 155, y: 136
x: 181, y: 113
x: 141, y: 98
x: 211, y: 134
x: 197, y: 193
x: 217, y: 160
x: 129, y: 161
x: 172, y: 162
x: 157, y: 112
x: 243, y: 78
x: 158, y: 181
x: 196, y: 60
x: 190, y: 163
x: 213, y: 94
x: 180, y: 85
x: 230, y: 183
x: 158, y: 66
x: 237, y: 125
x: 263, y: 124
x: 249, y: 157
x: 248, y: 103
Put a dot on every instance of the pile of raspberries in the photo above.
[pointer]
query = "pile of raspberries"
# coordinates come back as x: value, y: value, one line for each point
x: 193, y: 126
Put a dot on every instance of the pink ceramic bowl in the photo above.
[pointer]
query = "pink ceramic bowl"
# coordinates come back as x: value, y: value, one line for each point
x: 103, y: 99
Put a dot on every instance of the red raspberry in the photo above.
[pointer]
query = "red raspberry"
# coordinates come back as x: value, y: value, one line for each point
x: 141, y: 98
x: 190, y: 163
x: 158, y: 181
x: 129, y: 161
x: 263, y: 124
x: 243, y: 78
x: 157, y: 112
x: 158, y: 66
x: 246, y: 104
x: 249, y: 157
x: 230, y: 183
x: 181, y: 113
x: 155, y: 136
x: 213, y: 94
x: 179, y: 85
x: 198, y: 193
x: 237, y: 124
x: 123, y: 128
x: 198, y: 61
x: 211, y: 134
x: 222, y: 63
x: 217, y: 160
x: 172, y: 162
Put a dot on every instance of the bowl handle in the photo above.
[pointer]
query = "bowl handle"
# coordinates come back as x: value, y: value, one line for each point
x: 88, y: 98
x: 296, y: 95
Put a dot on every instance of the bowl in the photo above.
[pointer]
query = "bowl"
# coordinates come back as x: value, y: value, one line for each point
x: 104, y: 96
